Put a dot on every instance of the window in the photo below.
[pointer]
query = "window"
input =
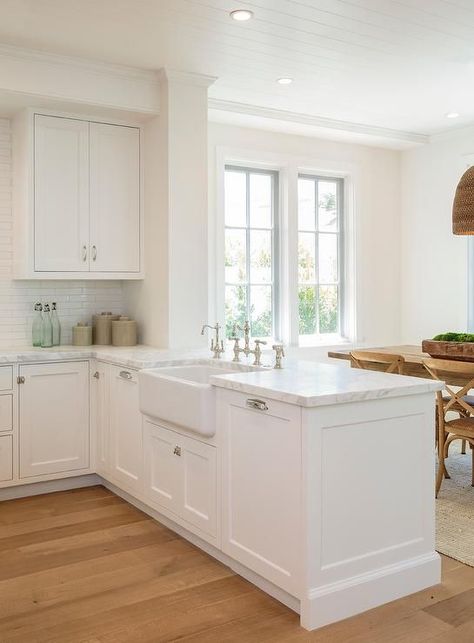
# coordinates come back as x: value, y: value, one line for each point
x: 251, y: 250
x: 319, y: 256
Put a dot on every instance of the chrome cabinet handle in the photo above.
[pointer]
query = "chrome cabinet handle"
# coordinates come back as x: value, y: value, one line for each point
x: 177, y: 450
x: 20, y: 379
x: 125, y: 375
x: 94, y: 253
x: 84, y: 253
x: 259, y: 405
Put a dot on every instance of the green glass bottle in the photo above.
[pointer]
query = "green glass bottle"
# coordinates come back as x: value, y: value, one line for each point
x: 46, y: 328
x: 56, y: 325
x: 37, y: 325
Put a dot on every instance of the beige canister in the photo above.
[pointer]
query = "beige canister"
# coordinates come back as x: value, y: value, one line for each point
x: 124, y: 332
x: 82, y: 334
x: 103, y: 328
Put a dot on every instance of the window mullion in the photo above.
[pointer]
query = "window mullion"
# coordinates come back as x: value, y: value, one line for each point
x: 316, y: 256
x: 247, y: 244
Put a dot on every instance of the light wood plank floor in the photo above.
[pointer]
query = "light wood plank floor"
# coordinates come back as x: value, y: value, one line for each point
x: 85, y: 566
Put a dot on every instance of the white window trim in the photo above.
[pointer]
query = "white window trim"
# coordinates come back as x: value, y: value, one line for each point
x: 289, y: 167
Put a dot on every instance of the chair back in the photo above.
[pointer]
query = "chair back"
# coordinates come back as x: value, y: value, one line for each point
x: 389, y: 362
x: 441, y: 369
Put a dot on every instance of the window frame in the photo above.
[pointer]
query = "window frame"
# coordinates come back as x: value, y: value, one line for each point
x: 275, y: 283
x: 318, y: 338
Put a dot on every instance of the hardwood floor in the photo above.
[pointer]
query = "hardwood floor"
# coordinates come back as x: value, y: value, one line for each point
x: 85, y: 566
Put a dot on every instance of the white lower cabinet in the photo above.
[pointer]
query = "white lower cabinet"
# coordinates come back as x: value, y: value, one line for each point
x: 261, y: 486
x: 125, y: 441
x: 100, y: 416
x: 6, y: 458
x: 181, y: 477
x: 54, y: 418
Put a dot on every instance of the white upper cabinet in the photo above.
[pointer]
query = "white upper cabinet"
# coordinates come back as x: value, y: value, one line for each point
x: 61, y: 196
x: 77, y: 207
x: 114, y: 198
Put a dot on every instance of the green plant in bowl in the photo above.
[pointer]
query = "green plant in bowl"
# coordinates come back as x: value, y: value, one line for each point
x: 454, y: 337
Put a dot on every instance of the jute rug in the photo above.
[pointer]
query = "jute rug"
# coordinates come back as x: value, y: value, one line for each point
x: 455, y: 508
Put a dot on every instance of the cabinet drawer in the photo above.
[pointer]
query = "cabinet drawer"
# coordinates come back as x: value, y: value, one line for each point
x: 6, y: 458
x: 6, y: 413
x: 6, y: 378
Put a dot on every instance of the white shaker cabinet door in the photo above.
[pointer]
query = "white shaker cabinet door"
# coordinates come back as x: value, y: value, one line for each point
x: 126, y: 440
x: 114, y: 198
x: 54, y: 418
x: 261, y: 486
x: 100, y: 406
x: 61, y: 194
x: 163, y: 468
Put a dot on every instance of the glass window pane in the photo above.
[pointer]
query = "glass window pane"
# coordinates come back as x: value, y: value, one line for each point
x: 235, y: 256
x: 261, y: 311
x: 235, y: 307
x: 235, y: 198
x: 306, y: 257
x: 260, y: 201
x: 260, y: 256
x: 306, y: 205
x: 327, y: 202
x: 307, y: 310
x: 327, y: 258
x: 328, y: 304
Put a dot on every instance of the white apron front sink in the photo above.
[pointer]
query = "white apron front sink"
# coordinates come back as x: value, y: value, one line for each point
x: 182, y: 395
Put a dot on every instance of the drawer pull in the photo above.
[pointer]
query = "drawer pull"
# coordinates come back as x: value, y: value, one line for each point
x: 20, y: 379
x: 177, y: 450
x: 259, y: 405
x: 96, y: 375
x: 126, y: 375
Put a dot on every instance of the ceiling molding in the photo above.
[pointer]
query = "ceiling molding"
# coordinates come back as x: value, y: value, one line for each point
x: 187, y: 77
x: 318, y: 121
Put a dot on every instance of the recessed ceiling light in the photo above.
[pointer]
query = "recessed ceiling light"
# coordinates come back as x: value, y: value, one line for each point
x: 241, y: 15
x: 284, y: 81
x: 452, y: 115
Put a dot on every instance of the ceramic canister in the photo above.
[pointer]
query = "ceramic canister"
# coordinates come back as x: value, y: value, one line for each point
x: 103, y: 328
x: 124, y: 332
x: 82, y: 334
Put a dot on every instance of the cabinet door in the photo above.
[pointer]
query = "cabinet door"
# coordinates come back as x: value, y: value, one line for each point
x: 126, y: 429
x: 6, y: 458
x: 114, y: 198
x: 54, y: 418
x: 262, y: 487
x: 181, y: 477
x: 163, y: 467
x: 61, y: 194
x: 199, y: 484
x: 100, y: 405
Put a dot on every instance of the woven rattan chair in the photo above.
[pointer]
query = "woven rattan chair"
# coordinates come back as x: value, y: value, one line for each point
x: 388, y: 362
x: 461, y: 428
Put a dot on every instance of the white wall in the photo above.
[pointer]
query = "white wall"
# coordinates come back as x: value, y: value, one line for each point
x: 77, y: 300
x: 376, y: 178
x: 433, y: 260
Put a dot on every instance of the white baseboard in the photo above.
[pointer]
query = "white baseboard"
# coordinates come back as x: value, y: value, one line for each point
x: 337, y: 601
x: 50, y: 486
x: 266, y: 586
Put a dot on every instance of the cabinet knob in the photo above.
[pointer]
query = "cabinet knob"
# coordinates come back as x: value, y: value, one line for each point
x: 177, y: 450
x: 96, y: 375
x: 259, y: 405
x: 20, y: 379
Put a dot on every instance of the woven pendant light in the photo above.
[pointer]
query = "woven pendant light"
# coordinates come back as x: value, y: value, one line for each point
x: 463, y: 205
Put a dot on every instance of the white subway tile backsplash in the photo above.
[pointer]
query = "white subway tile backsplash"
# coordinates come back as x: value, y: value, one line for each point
x: 77, y: 300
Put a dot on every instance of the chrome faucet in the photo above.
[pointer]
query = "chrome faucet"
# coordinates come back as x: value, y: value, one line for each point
x: 279, y: 353
x: 217, y: 345
x: 257, y: 351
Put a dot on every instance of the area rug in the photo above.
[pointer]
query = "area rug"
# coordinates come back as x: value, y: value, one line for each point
x: 455, y: 508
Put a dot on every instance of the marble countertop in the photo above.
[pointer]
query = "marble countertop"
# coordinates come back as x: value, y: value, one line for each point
x: 317, y: 384
x: 299, y: 382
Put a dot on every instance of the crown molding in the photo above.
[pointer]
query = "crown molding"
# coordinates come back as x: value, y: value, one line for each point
x: 414, y: 138
x: 108, y: 69
x: 187, y: 77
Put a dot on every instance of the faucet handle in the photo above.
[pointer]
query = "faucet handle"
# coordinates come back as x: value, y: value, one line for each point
x: 260, y: 341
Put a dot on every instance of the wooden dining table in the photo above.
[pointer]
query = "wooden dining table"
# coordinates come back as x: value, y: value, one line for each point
x: 413, y: 356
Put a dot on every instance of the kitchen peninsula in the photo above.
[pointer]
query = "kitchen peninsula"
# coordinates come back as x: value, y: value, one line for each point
x: 309, y: 454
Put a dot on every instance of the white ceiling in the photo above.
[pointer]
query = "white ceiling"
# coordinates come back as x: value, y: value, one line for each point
x: 399, y: 64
